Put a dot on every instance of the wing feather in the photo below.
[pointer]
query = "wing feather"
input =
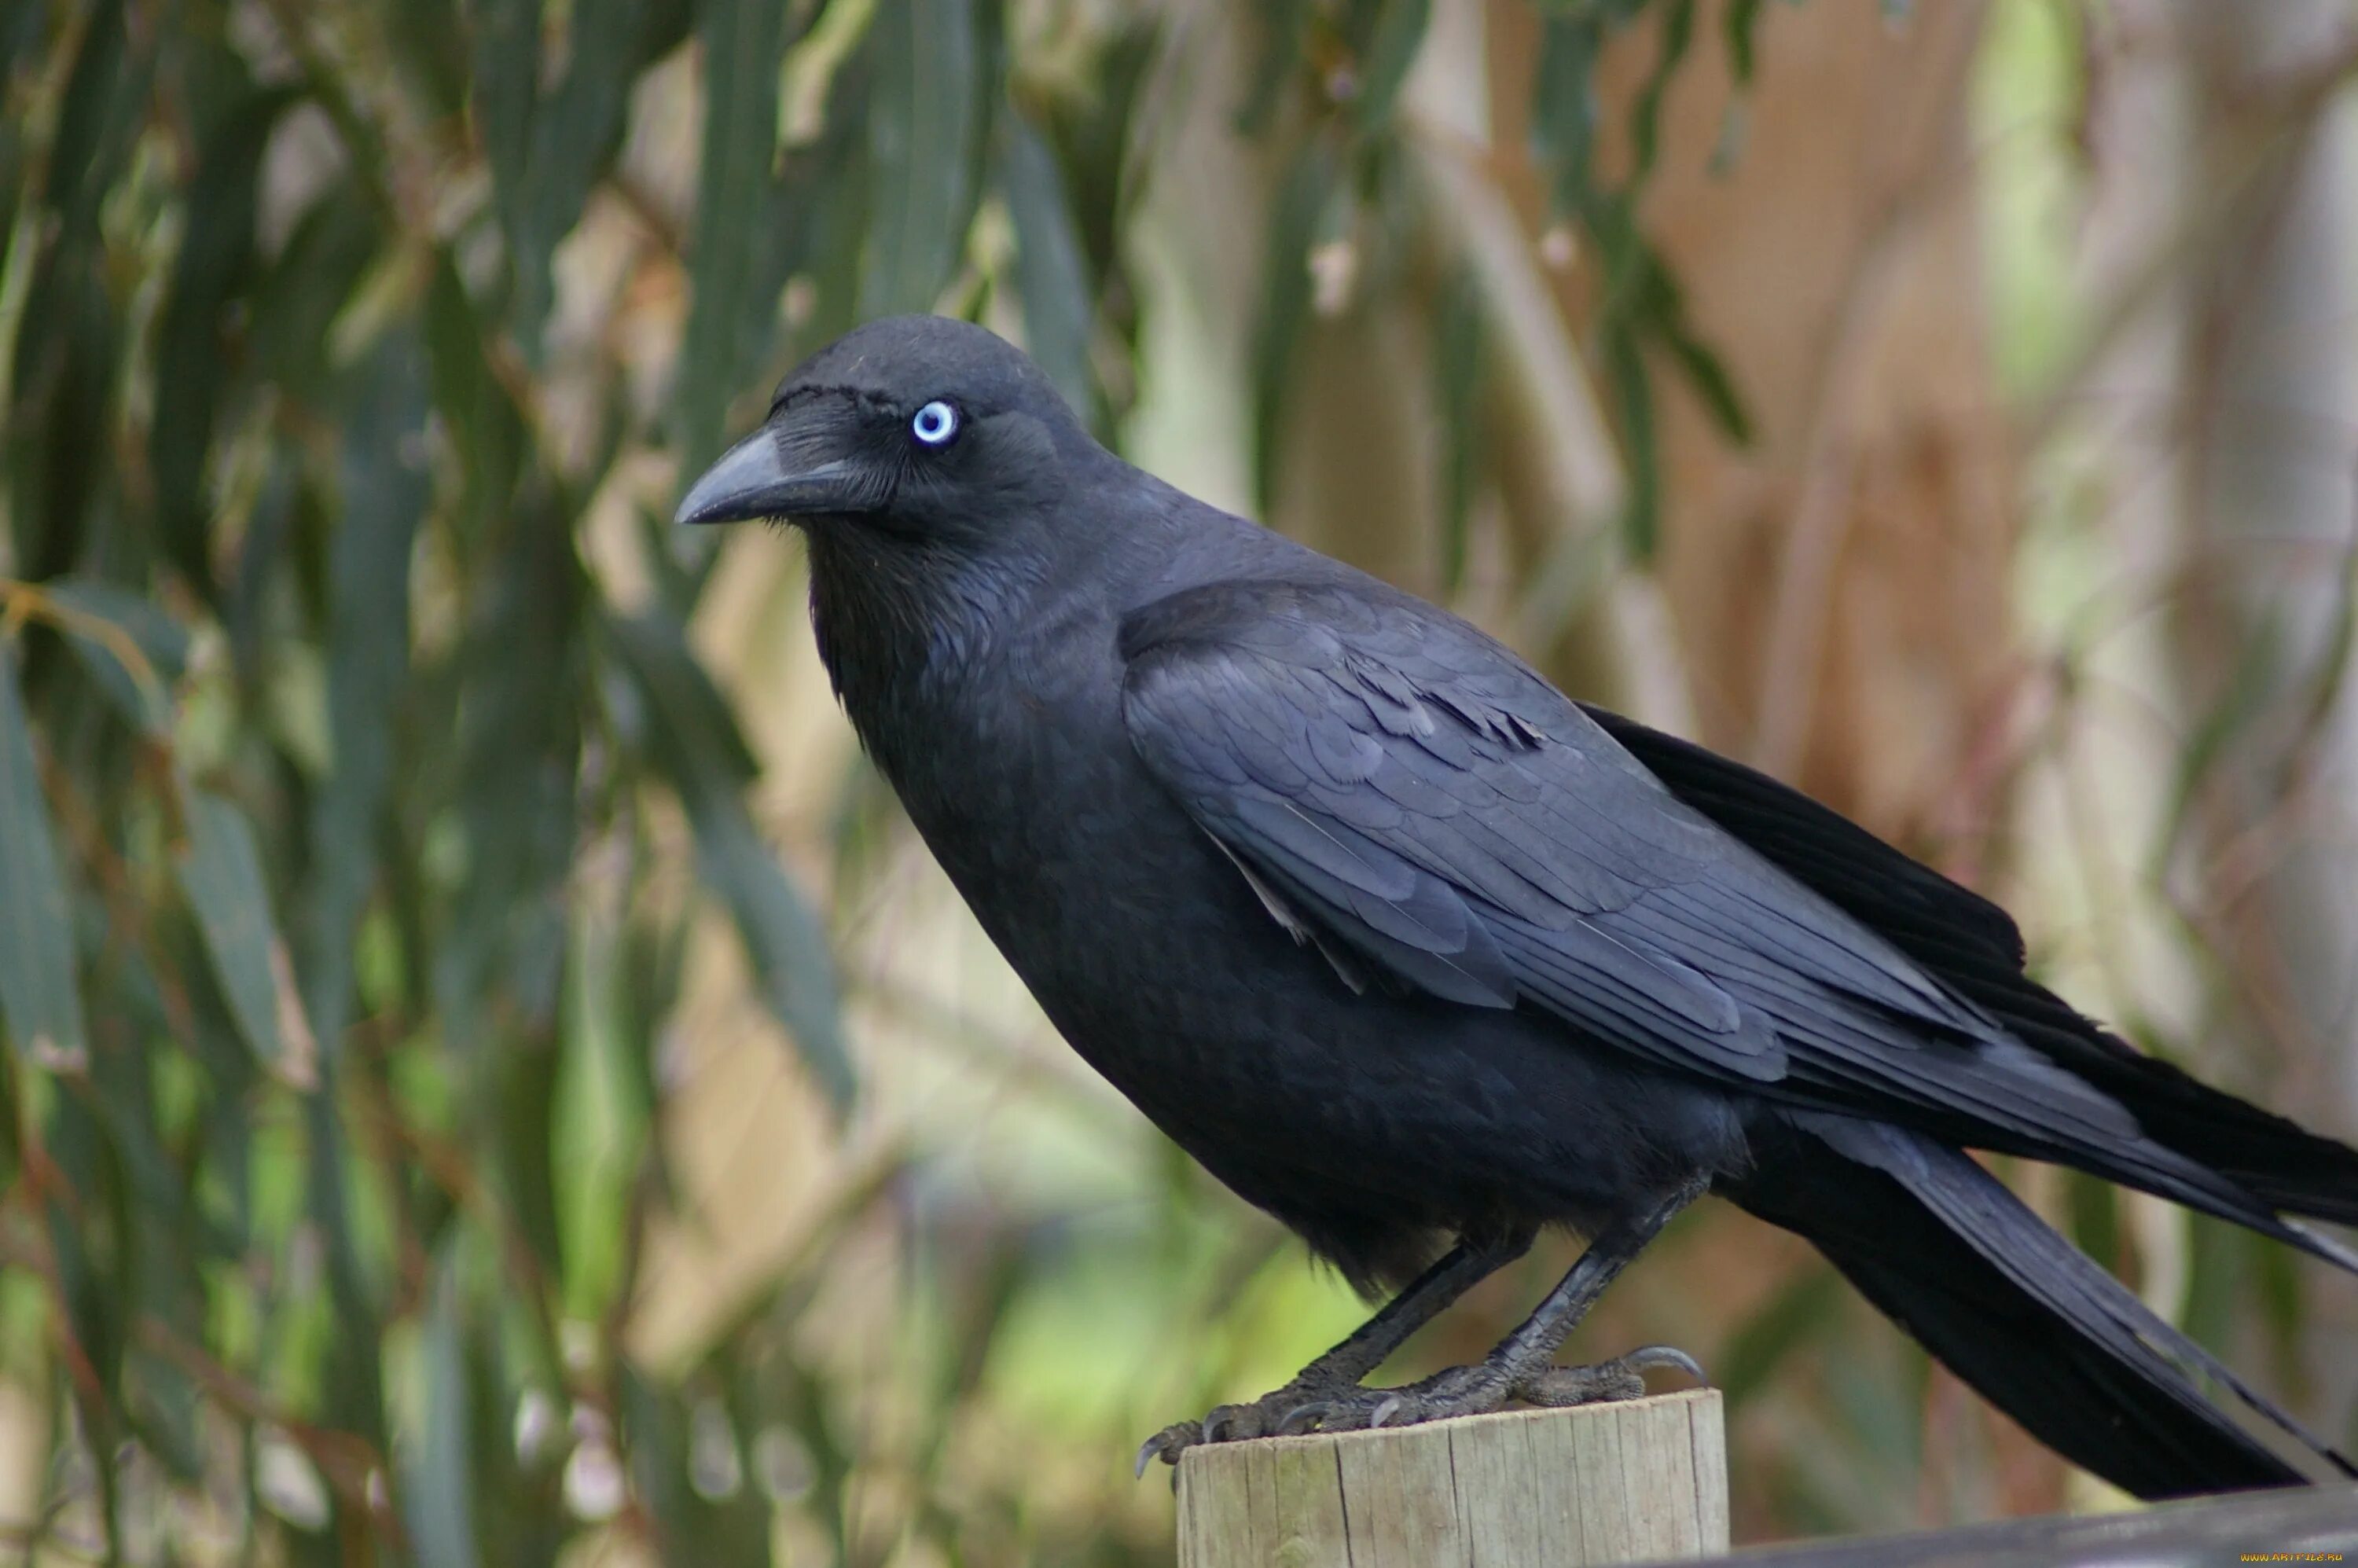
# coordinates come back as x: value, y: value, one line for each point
x: 1387, y: 776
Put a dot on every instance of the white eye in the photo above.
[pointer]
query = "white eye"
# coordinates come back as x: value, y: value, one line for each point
x: 935, y: 422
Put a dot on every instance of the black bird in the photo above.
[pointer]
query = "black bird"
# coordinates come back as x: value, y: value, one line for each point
x: 1420, y: 955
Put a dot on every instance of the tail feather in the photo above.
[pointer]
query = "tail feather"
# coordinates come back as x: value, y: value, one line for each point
x: 1973, y: 947
x: 1942, y: 1247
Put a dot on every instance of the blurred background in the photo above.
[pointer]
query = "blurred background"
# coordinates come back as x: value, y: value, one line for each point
x: 491, y: 1076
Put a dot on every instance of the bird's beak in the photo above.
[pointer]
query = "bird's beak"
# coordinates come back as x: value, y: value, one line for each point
x: 754, y: 479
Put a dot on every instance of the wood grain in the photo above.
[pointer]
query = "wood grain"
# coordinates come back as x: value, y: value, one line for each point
x: 1556, y: 1489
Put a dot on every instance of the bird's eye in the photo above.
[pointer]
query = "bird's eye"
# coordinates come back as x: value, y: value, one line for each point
x: 935, y: 422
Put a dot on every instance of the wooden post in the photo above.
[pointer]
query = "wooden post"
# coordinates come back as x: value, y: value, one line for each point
x: 1544, y: 1489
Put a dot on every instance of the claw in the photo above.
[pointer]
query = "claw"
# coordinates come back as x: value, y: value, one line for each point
x: 1217, y: 1424
x: 1307, y: 1416
x: 1647, y: 1356
x: 1384, y: 1413
x: 1167, y: 1446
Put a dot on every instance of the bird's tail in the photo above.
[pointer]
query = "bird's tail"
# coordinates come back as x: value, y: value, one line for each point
x: 1942, y: 1247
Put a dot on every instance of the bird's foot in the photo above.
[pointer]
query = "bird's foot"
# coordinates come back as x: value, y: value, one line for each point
x: 1485, y: 1386
x: 1263, y: 1417
x: 1476, y: 1390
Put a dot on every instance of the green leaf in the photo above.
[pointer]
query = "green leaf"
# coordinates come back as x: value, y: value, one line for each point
x: 1633, y: 399
x: 386, y: 490
x: 600, y: 1107
x: 437, y: 1484
x: 106, y: 105
x: 1052, y: 277
x: 477, y: 409
x: 210, y: 273
x: 1301, y: 209
x: 1564, y: 108
x: 743, y: 40
x: 519, y: 743
x: 1645, y: 115
x: 1285, y: 32
x: 577, y: 130
x: 1710, y: 380
x: 693, y: 742
x: 220, y: 874
x: 922, y: 129
x: 692, y: 1521
x: 37, y: 992
x: 682, y: 713
x: 307, y: 286
x: 1385, y: 57
x: 1741, y: 23
x: 785, y: 940
x: 132, y: 649
x: 506, y: 89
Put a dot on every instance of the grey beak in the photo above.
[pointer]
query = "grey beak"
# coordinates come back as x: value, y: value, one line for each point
x: 751, y: 480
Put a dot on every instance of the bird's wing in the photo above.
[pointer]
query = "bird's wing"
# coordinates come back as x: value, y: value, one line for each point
x: 1397, y: 783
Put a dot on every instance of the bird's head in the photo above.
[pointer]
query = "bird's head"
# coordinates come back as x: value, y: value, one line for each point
x: 916, y: 426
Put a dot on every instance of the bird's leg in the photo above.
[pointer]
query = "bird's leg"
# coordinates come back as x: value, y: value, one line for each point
x: 1336, y: 1373
x: 1524, y: 1366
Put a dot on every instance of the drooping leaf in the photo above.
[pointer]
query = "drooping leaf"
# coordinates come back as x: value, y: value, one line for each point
x: 477, y: 409
x: 694, y: 743
x: 695, y: 1521
x: 1285, y: 30
x: 438, y: 1480
x: 519, y: 745
x: 505, y: 85
x: 386, y: 490
x: 1645, y: 115
x: 923, y: 125
x: 1050, y: 273
x: 130, y: 648
x: 601, y: 1114
x: 577, y: 129
x: 1302, y: 207
x: 1386, y: 53
x: 220, y: 875
x: 1633, y: 401
x: 1741, y: 22
x: 785, y: 940
x: 1710, y: 380
x: 308, y: 286
x: 210, y: 273
x: 104, y: 109
x: 743, y: 40
x: 38, y: 996
x: 1563, y: 106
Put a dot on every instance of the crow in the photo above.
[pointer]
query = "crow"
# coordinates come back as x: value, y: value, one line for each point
x: 1420, y: 957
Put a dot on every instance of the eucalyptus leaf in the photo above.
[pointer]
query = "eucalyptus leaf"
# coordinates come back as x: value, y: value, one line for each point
x: 438, y: 1480
x: 743, y: 42
x: 1300, y: 208
x: 220, y: 875
x: 134, y: 650
x: 210, y: 276
x: 386, y: 491
x: 923, y: 125
x: 38, y: 996
x: 1051, y: 273
x: 693, y: 742
x: 1386, y: 56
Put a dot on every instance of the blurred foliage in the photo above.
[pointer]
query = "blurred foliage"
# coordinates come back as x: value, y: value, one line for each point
x: 378, y: 826
x: 342, y: 802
